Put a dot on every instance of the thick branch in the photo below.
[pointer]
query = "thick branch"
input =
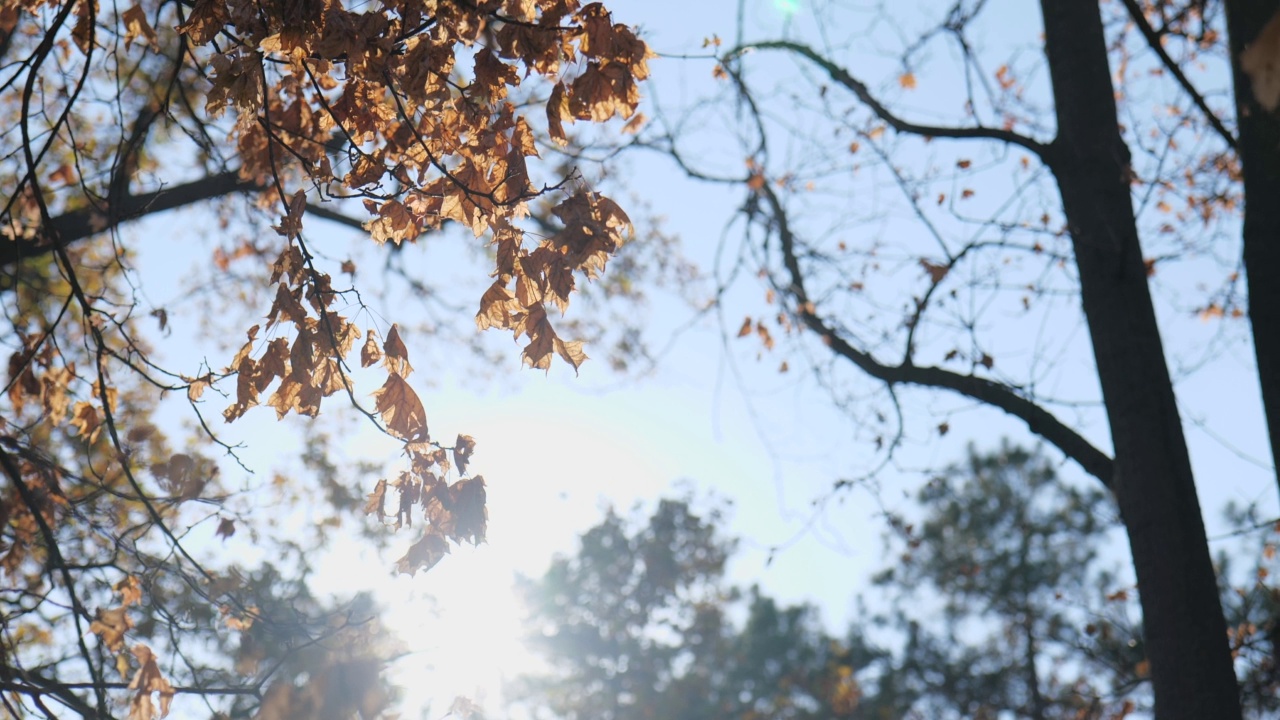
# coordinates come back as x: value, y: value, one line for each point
x: 858, y: 88
x: 80, y: 224
x: 1038, y: 420
x: 1153, y: 39
x: 77, y: 225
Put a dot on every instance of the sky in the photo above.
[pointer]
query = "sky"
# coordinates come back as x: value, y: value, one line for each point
x: 557, y: 450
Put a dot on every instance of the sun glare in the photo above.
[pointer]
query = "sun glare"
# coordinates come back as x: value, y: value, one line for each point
x: 461, y: 623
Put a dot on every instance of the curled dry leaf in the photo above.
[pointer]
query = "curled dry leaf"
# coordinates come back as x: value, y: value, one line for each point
x: 146, y: 681
x: 376, y: 502
x: 371, y: 352
x: 463, y: 447
x: 111, y: 625
x: 397, y: 355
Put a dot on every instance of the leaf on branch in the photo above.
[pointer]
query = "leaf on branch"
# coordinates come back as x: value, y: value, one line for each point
x: 130, y: 591
x: 370, y: 353
x: 936, y: 272
x: 396, y: 354
x: 376, y: 502
x: 557, y: 111
x: 907, y: 81
x: 394, y: 223
x: 86, y: 420
x: 470, y: 515
x: 226, y: 528
x: 148, y: 680
x: 462, y: 449
x: 424, y: 554
x: 401, y: 409
x: 111, y: 625
x: 571, y: 352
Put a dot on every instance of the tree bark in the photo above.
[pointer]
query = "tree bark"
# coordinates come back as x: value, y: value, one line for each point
x: 1190, y: 663
x: 1259, y: 149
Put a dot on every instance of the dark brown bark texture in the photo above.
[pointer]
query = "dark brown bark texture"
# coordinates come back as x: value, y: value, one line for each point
x: 1190, y: 662
x: 1259, y: 147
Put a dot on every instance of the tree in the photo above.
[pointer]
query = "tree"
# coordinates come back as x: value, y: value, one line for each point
x: 394, y: 119
x: 638, y: 625
x: 995, y: 603
x: 1082, y: 159
x: 1007, y: 555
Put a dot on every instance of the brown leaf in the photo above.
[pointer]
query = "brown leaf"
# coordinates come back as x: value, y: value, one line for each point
x: 148, y: 680
x: 397, y: 355
x: 86, y: 420
x: 467, y: 506
x: 376, y: 502
x: 130, y: 591
x: 462, y: 449
x: 571, y: 352
x: 370, y: 353
x: 424, y: 554
x: 936, y: 272
x: 401, y: 409
x: 226, y: 528
x: 557, y: 111
x: 111, y: 625
x: 495, y: 307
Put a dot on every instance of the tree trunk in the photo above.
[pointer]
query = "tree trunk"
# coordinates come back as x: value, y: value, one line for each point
x: 1190, y: 663
x: 1259, y: 145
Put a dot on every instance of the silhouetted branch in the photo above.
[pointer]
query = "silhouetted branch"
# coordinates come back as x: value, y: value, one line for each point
x: 858, y: 88
x: 1038, y: 420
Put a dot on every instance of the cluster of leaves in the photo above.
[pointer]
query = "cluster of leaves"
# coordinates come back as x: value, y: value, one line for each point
x: 407, y: 110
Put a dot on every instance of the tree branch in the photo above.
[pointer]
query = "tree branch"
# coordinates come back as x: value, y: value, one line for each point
x: 1038, y: 420
x: 77, y: 225
x: 858, y: 88
x: 1153, y: 40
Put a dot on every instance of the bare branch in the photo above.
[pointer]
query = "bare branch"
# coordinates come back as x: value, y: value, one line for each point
x: 1039, y: 420
x: 858, y: 88
x: 1153, y: 39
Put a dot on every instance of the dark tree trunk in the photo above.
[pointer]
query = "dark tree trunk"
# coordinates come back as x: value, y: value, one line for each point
x: 1186, y: 636
x: 1259, y: 145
